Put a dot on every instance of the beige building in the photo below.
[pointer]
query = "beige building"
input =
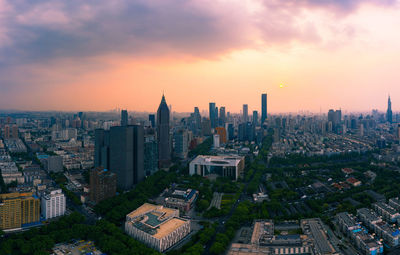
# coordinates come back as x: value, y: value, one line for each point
x: 17, y: 209
x: 157, y: 226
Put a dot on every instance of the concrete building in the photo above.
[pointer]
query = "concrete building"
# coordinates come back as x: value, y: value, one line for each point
x: 263, y: 240
x: 225, y: 166
x: 181, y: 143
x: 103, y: 184
x: 363, y: 241
x: 221, y: 131
x: 395, y: 203
x: 386, y: 211
x: 54, y: 164
x: 156, y: 226
x: 216, y: 141
x: 181, y: 199
x: 53, y: 204
x: 316, y: 231
x: 18, y: 210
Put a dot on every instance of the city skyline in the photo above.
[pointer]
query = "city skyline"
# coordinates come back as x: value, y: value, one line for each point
x: 52, y: 58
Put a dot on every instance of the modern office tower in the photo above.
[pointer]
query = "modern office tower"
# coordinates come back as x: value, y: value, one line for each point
x: 103, y: 184
x: 221, y: 131
x: 225, y: 166
x: 6, y: 132
x: 127, y: 155
x: 231, y: 132
x: 222, y: 117
x: 53, y: 204
x: 250, y: 131
x: 14, y: 131
x: 216, y: 141
x: 389, y: 114
x: 181, y: 143
x: 335, y: 117
x: 157, y: 226
x: 245, y: 113
x: 197, y: 120
x: 150, y: 152
x: 255, y: 118
x: 54, y: 164
x: 263, y: 108
x: 206, y: 127
x: 242, y: 132
x: 102, y: 148
x: 124, y: 118
x: 213, y: 117
x: 152, y: 119
x: 163, y: 135
x: 18, y: 209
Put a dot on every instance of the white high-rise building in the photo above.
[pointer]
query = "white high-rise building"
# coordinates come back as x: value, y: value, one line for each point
x: 53, y: 204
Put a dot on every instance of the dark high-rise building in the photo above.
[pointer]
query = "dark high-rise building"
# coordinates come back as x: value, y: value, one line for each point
x: 222, y: 118
x: 127, y: 155
x: 213, y: 117
x: 245, y: 113
x: 102, y: 148
x: 336, y: 118
x: 121, y: 150
x: 231, y: 131
x: 197, y: 120
x: 103, y: 184
x: 263, y: 108
x: 150, y: 152
x: 389, y: 114
x: 124, y: 118
x: 152, y: 119
x: 163, y: 135
x: 206, y: 127
x: 255, y: 118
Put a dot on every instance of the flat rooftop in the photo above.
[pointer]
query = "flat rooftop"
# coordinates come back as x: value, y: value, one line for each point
x: 168, y: 227
x: 217, y: 160
x: 155, y: 220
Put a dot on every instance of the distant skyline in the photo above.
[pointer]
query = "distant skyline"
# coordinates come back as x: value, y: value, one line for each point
x: 308, y: 55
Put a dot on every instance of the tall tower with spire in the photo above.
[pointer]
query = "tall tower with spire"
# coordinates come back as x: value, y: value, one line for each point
x: 389, y: 114
x: 163, y: 136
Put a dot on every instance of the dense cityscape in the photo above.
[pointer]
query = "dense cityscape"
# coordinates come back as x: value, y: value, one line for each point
x: 189, y: 183
x: 199, y: 127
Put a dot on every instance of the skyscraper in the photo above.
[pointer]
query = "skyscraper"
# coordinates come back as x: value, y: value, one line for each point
x: 127, y: 155
x: 152, y: 119
x: 222, y: 118
x: 263, y: 107
x: 124, y: 118
x: 121, y: 149
x: 245, y: 113
x: 389, y: 114
x: 163, y: 136
x: 212, y: 115
x: 255, y: 118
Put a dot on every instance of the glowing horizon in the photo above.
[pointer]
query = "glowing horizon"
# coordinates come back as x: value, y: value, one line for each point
x: 91, y: 56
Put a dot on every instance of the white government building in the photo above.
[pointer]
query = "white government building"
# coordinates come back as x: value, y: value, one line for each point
x: 157, y: 226
x: 230, y: 166
x: 53, y: 204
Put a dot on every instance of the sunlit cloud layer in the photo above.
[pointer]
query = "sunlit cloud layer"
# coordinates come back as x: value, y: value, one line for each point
x: 96, y: 55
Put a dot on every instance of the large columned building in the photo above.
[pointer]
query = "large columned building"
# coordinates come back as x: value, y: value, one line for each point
x: 163, y: 135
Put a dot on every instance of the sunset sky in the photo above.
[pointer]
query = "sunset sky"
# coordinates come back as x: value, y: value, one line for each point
x: 99, y: 55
